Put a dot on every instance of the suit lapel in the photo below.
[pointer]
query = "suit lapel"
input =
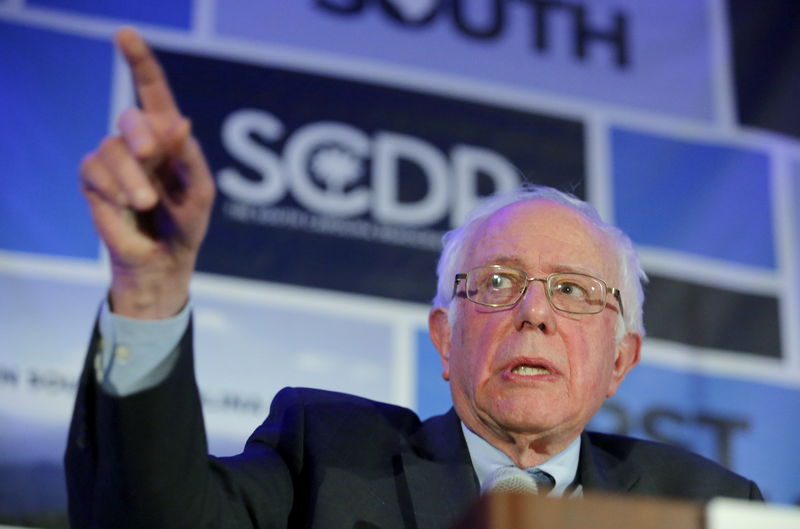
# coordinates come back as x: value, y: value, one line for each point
x: 441, y: 483
x: 600, y: 470
x: 438, y: 473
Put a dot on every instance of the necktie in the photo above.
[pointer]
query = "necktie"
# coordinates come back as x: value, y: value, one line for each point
x: 516, y: 480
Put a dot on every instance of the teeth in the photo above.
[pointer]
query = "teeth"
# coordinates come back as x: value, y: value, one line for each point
x: 530, y: 370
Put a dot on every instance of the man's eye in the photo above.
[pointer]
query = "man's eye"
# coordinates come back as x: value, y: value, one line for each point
x: 500, y: 281
x: 571, y: 289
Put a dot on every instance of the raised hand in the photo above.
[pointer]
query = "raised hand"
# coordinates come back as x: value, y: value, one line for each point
x: 150, y: 194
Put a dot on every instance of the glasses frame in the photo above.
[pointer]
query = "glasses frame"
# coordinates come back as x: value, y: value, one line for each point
x: 548, y: 289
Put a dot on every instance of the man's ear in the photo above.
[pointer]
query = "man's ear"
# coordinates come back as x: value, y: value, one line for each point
x: 439, y: 330
x: 627, y: 356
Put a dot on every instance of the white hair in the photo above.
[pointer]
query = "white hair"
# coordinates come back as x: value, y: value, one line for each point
x: 631, y: 275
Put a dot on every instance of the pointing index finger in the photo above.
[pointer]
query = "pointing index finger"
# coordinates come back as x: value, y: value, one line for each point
x: 148, y: 77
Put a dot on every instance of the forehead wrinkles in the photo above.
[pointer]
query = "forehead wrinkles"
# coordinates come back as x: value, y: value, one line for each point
x: 546, y: 230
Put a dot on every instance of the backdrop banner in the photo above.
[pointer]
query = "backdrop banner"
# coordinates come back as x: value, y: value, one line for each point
x: 346, y: 136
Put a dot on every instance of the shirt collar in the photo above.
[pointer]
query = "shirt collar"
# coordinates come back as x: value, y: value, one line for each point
x: 486, y: 459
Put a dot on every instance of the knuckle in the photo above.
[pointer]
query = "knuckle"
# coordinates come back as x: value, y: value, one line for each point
x: 109, y: 144
x: 87, y: 164
x: 124, y: 119
x: 130, y: 113
x: 131, y: 119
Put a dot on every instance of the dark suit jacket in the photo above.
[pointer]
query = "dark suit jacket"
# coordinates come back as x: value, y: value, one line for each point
x: 321, y: 459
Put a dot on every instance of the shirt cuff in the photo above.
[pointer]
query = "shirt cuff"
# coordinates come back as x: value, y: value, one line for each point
x: 135, y: 355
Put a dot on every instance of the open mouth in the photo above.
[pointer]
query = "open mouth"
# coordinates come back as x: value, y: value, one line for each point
x: 530, y: 370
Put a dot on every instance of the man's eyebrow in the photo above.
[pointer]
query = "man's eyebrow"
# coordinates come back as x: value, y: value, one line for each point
x: 506, y: 260
x: 511, y: 260
x: 575, y: 269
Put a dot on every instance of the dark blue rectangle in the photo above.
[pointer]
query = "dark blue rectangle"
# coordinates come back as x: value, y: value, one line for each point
x: 766, y: 65
x: 704, y: 316
x: 299, y: 182
x: 174, y: 13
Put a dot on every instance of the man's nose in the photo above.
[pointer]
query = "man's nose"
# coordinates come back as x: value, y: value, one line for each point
x: 534, y: 309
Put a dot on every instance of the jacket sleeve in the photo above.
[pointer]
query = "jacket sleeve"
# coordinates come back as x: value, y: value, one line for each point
x: 142, y: 461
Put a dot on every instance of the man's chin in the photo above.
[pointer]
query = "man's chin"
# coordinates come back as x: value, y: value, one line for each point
x: 526, y: 419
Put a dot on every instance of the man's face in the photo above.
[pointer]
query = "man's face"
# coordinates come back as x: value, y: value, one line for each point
x: 531, y: 369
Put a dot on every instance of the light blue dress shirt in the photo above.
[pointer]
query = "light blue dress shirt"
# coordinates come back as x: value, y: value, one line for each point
x: 135, y: 355
x: 563, y: 467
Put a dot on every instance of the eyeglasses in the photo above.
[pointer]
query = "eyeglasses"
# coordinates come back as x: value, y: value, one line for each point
x: 498, y: 287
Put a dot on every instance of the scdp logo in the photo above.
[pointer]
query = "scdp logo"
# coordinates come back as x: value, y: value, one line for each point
x: 334, y: 169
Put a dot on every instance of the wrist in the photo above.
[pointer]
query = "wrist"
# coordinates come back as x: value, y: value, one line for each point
x: 148, y: 296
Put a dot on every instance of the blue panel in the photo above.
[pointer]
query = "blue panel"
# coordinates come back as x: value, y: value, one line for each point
x: 529, y: 45
x: 765, y: 74
x: 793, y: 219
x: 54, y: 99
x: 749, y: 426
x: 176, y: 13
x: 433, y: 393
x: 343, y: 236
x: 701, y: 198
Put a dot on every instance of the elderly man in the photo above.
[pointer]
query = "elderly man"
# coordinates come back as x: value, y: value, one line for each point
x: 537, y: 320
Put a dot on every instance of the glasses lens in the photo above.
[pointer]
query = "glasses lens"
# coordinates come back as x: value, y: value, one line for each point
x: 495, y: 285
x: 577, y: 293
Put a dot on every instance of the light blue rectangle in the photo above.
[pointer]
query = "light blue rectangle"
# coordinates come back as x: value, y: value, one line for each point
x: 54, y: 99
x: 433, y: 392
x: 175, y: 13
x: 750, y: 426
x: 571, y: 49
x: 254, y: 349
x: 709, y: 199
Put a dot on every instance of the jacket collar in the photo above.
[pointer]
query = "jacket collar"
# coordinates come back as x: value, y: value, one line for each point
x: 441, y: 483
x: 439, y: 474
x: 600, y: 469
